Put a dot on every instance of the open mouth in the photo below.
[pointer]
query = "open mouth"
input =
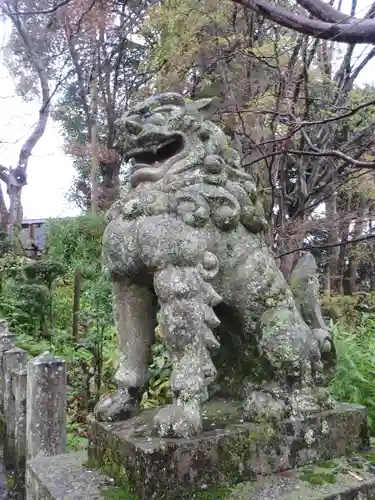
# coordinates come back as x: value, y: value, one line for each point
x: 150, y: 155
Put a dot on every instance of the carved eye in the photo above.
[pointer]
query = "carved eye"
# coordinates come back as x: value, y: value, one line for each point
x: 132, y: 127
x: 156, y: 119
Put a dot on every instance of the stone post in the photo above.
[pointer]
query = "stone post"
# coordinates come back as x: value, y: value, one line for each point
x: 20, y: 393
x: 46, y: 406
x: 3, y: 325
x: 14, y: 360
x: 6, y: 343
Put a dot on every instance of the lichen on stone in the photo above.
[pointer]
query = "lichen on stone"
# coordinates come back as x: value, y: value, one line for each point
x: 190, y: 232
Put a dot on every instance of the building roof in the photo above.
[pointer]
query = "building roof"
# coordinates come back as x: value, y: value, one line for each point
x: 33, y: 221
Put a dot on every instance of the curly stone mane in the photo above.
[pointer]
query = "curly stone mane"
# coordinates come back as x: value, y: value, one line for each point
x: 189, y: 232
x: 171, y: 146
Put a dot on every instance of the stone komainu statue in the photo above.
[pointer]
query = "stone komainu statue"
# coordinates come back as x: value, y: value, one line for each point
x: 188, y: 233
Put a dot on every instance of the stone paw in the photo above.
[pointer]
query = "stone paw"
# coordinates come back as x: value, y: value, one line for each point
x: 116, y: 407
x: 175, y: 421
x: 264, y: 406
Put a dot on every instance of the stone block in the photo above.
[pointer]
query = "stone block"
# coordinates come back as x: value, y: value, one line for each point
x: 3, y: 325
x: 229, y: 450
x: 335, y: 480
x: 46, y: 406
x: 64, y: 477
x: 20, y: 393
x: 14, y: 359
x: 6, y: 343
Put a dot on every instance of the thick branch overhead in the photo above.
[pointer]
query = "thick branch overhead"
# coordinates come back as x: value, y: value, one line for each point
x: 329, y: 25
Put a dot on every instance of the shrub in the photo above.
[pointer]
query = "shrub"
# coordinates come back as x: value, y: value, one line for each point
x: 76, y: 242
x: 349, y: 309
x: 354, y: 378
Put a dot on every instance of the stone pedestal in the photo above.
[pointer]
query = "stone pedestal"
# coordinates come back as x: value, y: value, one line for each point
x: 229, y: 450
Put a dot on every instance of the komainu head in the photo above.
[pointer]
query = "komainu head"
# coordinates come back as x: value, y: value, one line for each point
x: 167, y: 134
x: 172, y: 146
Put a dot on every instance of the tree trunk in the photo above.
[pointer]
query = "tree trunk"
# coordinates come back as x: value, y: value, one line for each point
x: 352, y: 271
x: 333, y: 238
x: 94, y: 135
x: 4, y: 214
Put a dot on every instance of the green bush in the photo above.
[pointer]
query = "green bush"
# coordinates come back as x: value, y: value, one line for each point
x: 158, y: 392
x: 26, y: 292
x: 63, y: 295
x: 37, y: 299
x: 349, y: 309
x: 354, y: 378
x: 76, y: 242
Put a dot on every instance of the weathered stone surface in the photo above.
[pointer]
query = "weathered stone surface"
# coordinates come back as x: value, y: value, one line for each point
x: 189, y: 229
x: 351, y: 478
x: 305, y: 287
x: 3, y: 326
x: 46, y: 406
x: 229, y: 450
x: 20, y: 393
x: 14, y: 359
x: 345, y: 487
x: 64, y: 477
x: 6, y: 343
x: 4, y: 491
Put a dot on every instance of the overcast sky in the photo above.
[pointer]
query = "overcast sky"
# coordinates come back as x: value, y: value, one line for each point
x: 50, y: 171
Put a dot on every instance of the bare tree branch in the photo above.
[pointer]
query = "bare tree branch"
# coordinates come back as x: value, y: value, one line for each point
x: 345, y: 29
x: 328, y: 245
x: 46, y: 11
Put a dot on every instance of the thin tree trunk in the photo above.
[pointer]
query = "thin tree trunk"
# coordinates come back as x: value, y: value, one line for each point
x: 94, y: 135
x: 352, y: 271
x: 333, y: 238
x: 38, y: 130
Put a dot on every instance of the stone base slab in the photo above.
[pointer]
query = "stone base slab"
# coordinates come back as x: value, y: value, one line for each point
x: 327, y: 481
x: 64, y: 477
x: 229, y: 451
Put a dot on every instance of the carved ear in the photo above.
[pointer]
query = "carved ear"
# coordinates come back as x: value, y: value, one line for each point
x: 203, y: 107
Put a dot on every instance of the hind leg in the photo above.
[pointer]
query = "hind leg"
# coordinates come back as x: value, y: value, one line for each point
x: 287, y: 349
x: 135, y: 318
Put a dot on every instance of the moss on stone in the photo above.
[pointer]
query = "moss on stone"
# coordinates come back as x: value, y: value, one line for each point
x: 123, y: 488
x: 209, y: 494
x: 237, y: 454
x: 10, y: 481
x: 328, y: 464
x: 317, y: 477
x: 369, y: 455
x: 216, y: 416
x: 122, y: 492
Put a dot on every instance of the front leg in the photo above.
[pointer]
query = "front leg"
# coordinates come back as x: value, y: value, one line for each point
x: 186, y: 319
x: 135, y: 319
